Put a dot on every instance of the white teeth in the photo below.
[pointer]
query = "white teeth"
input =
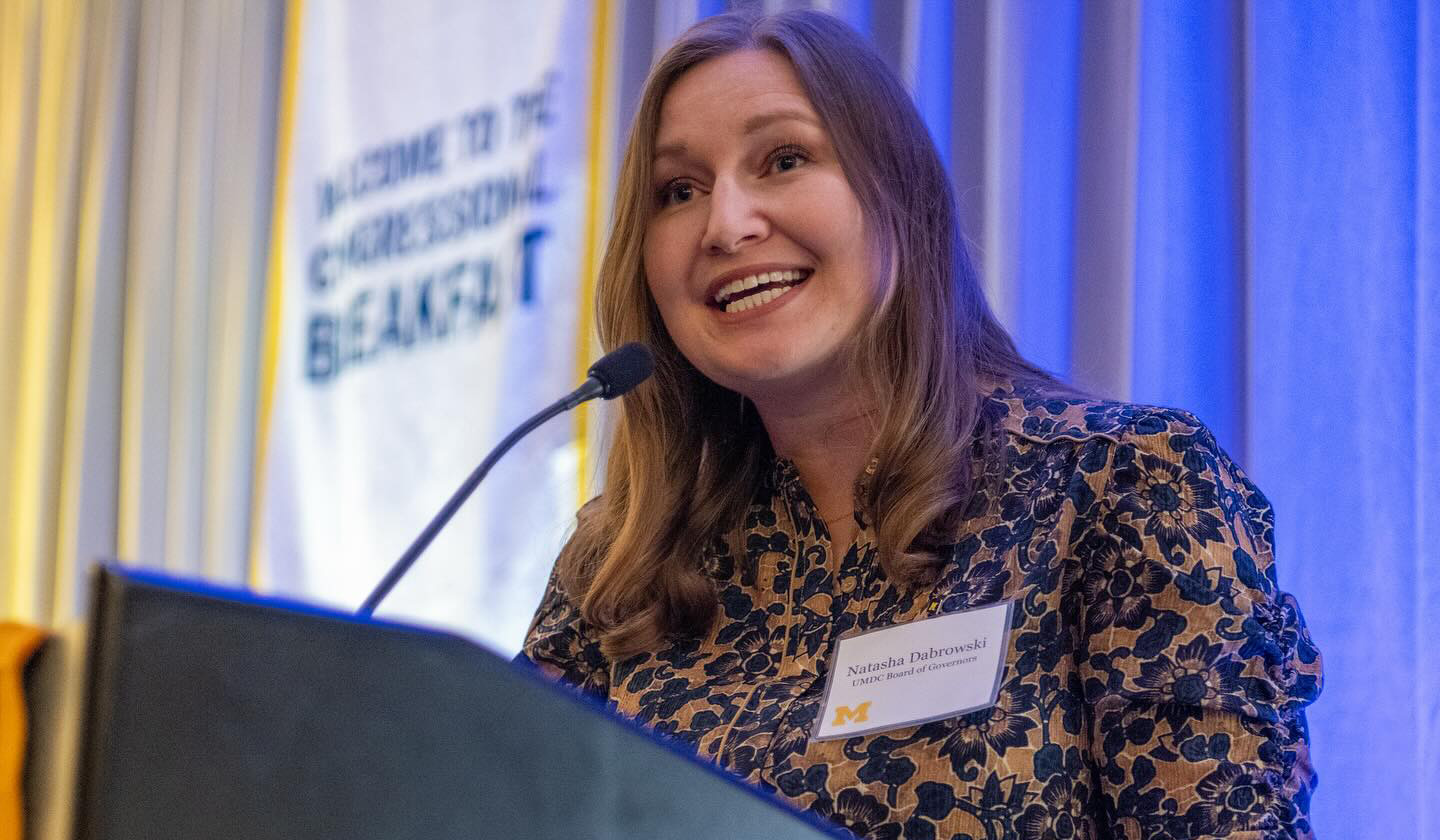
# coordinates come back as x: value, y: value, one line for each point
x: 757, y: 299
x: 734, y: 288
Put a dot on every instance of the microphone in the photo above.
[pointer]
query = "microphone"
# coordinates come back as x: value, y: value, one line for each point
x: 615, y: 374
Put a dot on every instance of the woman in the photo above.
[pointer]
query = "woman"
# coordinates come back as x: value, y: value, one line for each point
x: 840, y: 438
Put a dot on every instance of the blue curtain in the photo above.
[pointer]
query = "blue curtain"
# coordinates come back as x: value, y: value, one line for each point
x: 1278, y: 241
x: 1344, y: 381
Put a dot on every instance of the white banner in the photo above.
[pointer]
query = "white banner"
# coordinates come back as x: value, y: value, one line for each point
x: 432, y: 217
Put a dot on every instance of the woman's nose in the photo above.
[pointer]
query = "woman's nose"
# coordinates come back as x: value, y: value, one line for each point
x: 736, y: 219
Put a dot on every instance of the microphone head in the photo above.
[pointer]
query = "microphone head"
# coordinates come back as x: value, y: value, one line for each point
x: 622, y: 369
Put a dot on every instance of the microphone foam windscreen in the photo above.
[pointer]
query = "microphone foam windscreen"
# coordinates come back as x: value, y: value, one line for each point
x: 623, y: 368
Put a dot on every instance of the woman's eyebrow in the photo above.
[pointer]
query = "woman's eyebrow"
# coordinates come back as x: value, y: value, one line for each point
x: 759, y: 121
x: 678, y: 149
x: 670, y: 150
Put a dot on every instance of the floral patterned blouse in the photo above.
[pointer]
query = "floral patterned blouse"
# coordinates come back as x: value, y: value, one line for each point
x: 1156, y: 675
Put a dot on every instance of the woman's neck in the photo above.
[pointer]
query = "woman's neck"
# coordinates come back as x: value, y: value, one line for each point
x: 829, y: 442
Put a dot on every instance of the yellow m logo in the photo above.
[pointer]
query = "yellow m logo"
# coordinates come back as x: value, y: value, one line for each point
x: 844, y: 714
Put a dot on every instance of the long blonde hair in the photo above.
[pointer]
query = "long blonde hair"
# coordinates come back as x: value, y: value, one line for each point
x: 686, y: 455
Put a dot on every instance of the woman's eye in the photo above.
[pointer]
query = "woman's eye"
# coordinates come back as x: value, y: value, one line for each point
x: 787, y: 158
x: 675, y: 192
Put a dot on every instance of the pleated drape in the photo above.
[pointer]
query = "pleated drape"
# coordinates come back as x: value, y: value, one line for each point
x: 1343, y: 388
x: 136, y: 140
x: 47, y: 125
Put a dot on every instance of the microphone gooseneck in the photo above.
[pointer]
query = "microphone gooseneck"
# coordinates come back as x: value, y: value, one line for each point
x: 614, y: 374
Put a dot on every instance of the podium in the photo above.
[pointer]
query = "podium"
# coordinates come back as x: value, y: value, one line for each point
x: 215, y: 714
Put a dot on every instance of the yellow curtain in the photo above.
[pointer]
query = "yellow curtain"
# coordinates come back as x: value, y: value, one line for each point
x: 136, y: 145
x: 42, y: 127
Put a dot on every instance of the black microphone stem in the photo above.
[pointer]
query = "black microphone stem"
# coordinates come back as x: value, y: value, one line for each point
x: 587, y: 391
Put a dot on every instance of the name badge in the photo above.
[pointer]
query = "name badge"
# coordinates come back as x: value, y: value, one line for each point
x: 914, y: 673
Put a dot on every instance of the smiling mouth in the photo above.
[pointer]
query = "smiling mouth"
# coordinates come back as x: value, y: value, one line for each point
x: 757, y: 289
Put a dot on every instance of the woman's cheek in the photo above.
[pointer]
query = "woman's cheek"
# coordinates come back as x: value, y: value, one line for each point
x: 664, y: 258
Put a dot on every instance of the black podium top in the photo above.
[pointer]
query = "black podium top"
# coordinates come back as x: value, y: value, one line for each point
x: 216, y: 715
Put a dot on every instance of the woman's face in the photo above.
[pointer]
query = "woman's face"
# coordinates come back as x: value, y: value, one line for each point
x: 756, y: 254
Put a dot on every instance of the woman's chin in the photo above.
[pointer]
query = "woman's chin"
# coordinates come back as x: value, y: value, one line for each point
x: 778, y: 384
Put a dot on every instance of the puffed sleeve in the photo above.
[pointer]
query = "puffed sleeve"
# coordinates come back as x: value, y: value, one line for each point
x: 561, y: 644
x: 1196, y: 667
